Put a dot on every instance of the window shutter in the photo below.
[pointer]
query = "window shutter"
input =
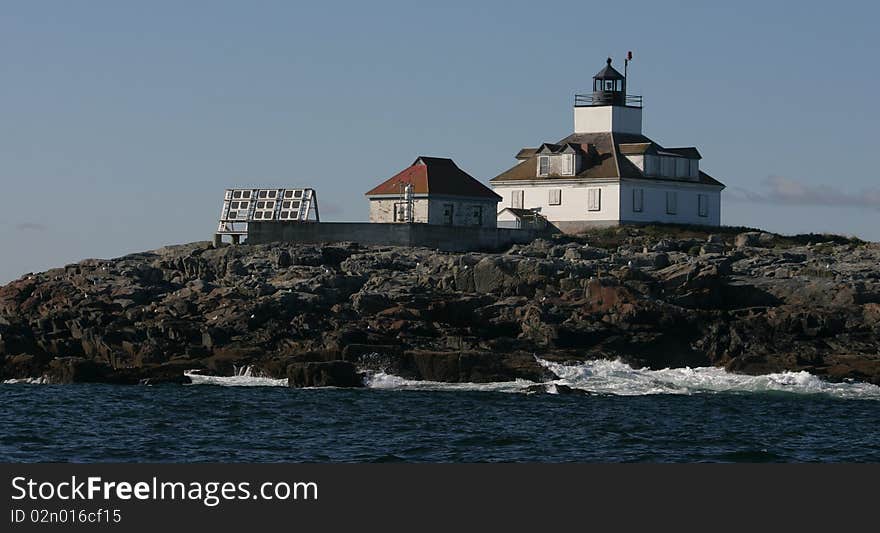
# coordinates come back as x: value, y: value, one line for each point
x: 543, y: 165
x: 671, y: 203
x: 594, y: 199
x: 568, y: 165
x: 703, y: 202
x: 638, y: 200
x: 517, y: 199
x: 667, y: 167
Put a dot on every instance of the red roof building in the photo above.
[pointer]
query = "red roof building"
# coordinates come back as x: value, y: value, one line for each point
x: 433, y: 190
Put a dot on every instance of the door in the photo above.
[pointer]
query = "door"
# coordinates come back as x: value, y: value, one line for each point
x: 447, y: 214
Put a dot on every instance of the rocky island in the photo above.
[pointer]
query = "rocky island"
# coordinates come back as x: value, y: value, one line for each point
x: 322, y: 315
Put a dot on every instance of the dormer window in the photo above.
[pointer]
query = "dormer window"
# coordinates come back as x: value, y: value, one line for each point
x: 544, y: 165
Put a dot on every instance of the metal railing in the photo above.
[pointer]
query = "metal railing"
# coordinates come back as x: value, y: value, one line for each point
x: 594, y: 99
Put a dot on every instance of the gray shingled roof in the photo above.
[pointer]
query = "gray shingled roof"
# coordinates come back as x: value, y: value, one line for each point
x: 607, y: 158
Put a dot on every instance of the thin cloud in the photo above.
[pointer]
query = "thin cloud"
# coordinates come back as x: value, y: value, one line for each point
x: 779, y: 190
x: 31, y: 226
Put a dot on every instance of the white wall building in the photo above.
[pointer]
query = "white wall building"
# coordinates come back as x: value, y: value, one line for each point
x: 607, y: 172
x: 433, y: 190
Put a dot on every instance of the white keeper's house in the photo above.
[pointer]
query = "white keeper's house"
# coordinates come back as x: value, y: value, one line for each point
x: 607, y: 172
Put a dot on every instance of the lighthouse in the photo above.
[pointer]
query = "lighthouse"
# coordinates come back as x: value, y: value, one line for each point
x: 608, y: 108
x: 607, y: 172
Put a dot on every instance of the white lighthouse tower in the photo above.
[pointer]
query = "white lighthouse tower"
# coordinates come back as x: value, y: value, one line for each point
x: 608, y: 109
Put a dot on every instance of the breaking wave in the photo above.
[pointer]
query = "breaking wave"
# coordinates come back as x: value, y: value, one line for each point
x: 381, y: 380
x: 244, y: 377
x: 596, y: 377
x: 615, y: 377
x: 31, y: 381
x: 618, y: 378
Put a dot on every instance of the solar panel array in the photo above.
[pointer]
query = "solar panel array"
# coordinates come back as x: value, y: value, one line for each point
x: 241, y: 206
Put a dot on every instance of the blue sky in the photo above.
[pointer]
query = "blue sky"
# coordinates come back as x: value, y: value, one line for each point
x: 122, y: 122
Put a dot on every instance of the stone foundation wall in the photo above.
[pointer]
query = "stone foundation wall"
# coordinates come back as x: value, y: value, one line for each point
x: 446, y: 238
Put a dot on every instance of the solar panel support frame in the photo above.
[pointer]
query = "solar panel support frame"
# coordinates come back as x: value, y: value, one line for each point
x: 264, y: 205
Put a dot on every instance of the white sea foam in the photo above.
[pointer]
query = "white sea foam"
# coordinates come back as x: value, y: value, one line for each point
x: 381, y: 380
x: 30, y: 381
x: 600, y: 377
x: 617, y: 378
x: 244, y: 377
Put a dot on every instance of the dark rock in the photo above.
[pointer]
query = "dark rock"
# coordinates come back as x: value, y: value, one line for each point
x: 64, y: 370
x: 283, y: 260
x: 471, y: 366
x: 752, y: 238
x: 22, y: 366
x: 771, y: 304
x: 370, y: 303
x: 324, y: 374
x: 711, y: 248
x: 661, y: 261
x: 552, y: 388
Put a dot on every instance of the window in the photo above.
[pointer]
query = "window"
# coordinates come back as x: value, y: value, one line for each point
x: 263, y: 194
x: 702, y: 205
x: 516, y: 199
x: 234, y: 205
x: 694, y: 170
x: 477, y: 215
x: 555, y: 196
x: 543, y: 165
x: 594, y: 199
x: 671, y: 203
x: 638, y: 200
x: 667, y: 167
x: 447, y: 214
x: 568, y: 165
x: 261, y: 205
x: 400, y: 212
x: 236, y: 194
x: 244, y: 205
x: 681, y: 168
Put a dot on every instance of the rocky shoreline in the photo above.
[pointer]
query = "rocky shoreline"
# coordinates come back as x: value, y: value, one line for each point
x: 322, y: 315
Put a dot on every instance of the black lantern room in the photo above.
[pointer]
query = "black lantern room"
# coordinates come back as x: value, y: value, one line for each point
x: 609, y: 86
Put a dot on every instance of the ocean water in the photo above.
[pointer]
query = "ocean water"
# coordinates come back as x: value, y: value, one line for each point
x: 673, y: 415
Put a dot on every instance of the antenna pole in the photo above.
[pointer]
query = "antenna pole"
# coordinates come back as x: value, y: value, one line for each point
x: 626, y: 61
